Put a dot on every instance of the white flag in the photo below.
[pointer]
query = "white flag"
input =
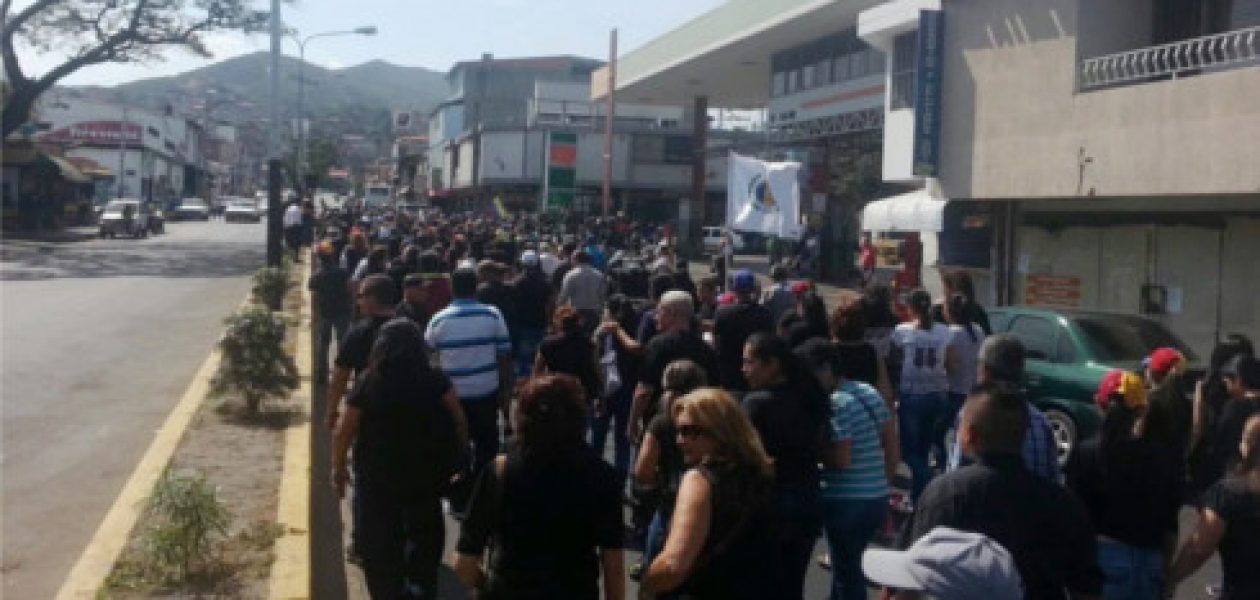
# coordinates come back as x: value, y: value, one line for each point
x: 763, y: 197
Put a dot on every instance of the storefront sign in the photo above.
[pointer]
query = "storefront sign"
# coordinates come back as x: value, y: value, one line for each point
x: 97, y: 132
x: 561, y: 183
x: 927, y: 90
x: 1052, y: 290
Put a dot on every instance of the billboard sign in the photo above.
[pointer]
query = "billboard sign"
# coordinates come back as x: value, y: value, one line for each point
x: 927, y: 91
x: 106, y: 133
x: 561, y: 184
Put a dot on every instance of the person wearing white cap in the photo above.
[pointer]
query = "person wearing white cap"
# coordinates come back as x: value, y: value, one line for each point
x: 947, y: 564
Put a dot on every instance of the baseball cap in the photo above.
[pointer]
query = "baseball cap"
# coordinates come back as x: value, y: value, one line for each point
x: 950, y: 565
x: 1163, y: 360
x: 726, y: 298
x: 800, y: 287
x: 743, y: 281
x: 1245, y: 368
x: 529, y: 258
x: 1126, y: 384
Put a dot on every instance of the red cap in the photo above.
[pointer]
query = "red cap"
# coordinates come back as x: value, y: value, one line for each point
x: 800, y: 287
x: 726, y: 298
x: 1164, y: 360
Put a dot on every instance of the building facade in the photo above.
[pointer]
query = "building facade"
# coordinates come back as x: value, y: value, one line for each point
x: 1106, y: 151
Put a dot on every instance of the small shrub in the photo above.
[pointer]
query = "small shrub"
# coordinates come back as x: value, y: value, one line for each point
x: 189, y: 516
x: 270, y: 286
x: 255, y: 365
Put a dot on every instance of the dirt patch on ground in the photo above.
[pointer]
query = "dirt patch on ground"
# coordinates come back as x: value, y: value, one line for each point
x: 241, y: 454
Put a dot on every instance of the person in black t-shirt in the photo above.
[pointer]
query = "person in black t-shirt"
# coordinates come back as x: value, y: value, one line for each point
x: 732, y: 327
x: 569, y: 352
x: 1230, y: 523
x: 330, y: 294
x: 677, y: 340
x: 566, y: 256
x: 406, y: 425
x: 660, y: 462
x: 1130, y: 481
x: 1042, y: 525
x: 550, y: 508
x: 413, y: 305
x: 790, y: 411
x: 375, y: 300
x: 533, y: 305
x: 494, y: 292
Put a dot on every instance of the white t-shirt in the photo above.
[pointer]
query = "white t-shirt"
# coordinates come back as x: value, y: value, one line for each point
x: 967, y: 350
x: 292, y: 216
x: 923, y: 358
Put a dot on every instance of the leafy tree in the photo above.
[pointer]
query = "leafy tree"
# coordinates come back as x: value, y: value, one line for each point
x: 93, y: 32
x: 190, y: 515
x: 255, y: 365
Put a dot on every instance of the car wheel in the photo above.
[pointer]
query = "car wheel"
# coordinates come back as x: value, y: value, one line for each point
x: 1064, y: 430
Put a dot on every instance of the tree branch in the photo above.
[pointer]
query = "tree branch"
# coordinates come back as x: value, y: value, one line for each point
x: 11, y: 25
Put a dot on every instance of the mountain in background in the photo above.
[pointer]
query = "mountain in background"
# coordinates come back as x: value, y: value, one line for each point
x: 358, y: 98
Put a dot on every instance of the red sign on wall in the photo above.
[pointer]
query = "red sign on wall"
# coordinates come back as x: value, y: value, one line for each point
x: 97, y: 132
x: 1052, y: 290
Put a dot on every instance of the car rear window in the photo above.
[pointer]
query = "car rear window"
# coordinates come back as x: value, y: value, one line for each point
x: 1126, y: 339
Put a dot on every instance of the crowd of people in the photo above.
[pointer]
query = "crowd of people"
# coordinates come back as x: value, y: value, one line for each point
x: 486, y: 363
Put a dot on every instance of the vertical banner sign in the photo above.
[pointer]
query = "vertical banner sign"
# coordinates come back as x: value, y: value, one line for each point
x: 927, y: 93
x: 561, y: 184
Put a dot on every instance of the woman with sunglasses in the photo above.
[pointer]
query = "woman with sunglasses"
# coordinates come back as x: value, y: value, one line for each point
x: 790, y: 411
x: 719, y: 534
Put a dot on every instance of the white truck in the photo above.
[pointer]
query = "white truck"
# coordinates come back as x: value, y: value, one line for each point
x: 377, y: 195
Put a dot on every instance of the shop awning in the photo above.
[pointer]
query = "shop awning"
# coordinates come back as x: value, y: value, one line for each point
x: 67, y: 169
x: 919, y: 210
x: 89, y: 167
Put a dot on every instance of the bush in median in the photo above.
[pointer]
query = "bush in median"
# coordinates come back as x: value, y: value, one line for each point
x: 255, y: 365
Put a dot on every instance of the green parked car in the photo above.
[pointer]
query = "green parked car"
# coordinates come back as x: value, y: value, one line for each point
x: 1069, y: 351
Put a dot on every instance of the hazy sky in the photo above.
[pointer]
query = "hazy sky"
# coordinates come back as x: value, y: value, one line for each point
x: 428, y: 33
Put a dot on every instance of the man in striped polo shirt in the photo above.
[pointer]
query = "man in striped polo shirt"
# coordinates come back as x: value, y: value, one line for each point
x: 471, y: 342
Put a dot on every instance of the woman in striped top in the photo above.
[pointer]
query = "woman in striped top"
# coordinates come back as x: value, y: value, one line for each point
x: 855, y: 485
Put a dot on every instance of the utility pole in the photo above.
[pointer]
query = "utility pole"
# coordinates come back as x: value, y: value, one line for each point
x: 122, y: 152
x: 609, y: 119
x: 274, y: 177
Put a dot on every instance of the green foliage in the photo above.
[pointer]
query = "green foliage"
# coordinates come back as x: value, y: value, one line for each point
x: 189, y: 516
x: 271, y: 284
x: 255, y: 365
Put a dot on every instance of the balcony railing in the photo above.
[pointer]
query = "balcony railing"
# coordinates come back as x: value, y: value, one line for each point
x: 1208, y: 53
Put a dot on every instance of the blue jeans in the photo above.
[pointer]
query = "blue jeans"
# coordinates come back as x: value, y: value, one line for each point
x: 527, y: 341
x: 850, y: 525
x: 1129, y: 572
x: 918, y: 417
x: 616, y: 414
x: 953, y: 404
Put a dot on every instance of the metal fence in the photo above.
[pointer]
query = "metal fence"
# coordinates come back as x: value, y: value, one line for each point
x: 1187, y: 57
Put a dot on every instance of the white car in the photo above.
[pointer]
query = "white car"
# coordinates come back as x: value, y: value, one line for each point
x: 192, y: 208
x: 713, y: 240
x: 244, y: 211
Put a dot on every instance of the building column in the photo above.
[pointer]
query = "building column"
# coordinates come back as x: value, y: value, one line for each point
x: 699, y: 165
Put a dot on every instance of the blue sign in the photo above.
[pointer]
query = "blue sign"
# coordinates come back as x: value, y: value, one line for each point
x: 929, y: 69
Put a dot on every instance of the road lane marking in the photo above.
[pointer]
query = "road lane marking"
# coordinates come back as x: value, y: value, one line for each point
x: 98, y: 558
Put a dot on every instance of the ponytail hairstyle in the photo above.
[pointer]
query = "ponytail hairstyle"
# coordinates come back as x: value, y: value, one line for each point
x: 959, y: 309
x: 920, y: 303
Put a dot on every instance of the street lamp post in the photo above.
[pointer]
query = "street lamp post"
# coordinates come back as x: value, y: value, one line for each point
x: 301, y: 124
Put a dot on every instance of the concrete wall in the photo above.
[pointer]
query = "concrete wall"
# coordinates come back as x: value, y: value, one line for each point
x: 1014, y: 126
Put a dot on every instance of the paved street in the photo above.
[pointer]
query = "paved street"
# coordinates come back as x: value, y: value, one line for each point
x: 100, y: 338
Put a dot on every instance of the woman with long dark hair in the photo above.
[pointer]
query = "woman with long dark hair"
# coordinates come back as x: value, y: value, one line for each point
x: 1131, y: 486
x: 568, y: 351
x: 1210, y: 398
x: 718, y: 538
x: 966, y: 335
x: 550, y: 509
x: 858, y: 357
x: 790, y: 410
x: 881, y: 320
x: 405, y: 423
x: 921, y: 359
x: 1230, y: 523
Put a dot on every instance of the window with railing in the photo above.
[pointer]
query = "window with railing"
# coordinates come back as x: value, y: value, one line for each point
x: 1208, y: 53
x: 905, y: 57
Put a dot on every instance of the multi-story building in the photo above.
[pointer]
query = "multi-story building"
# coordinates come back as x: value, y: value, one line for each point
x: 1100, y: 155
x: 542, y: 145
